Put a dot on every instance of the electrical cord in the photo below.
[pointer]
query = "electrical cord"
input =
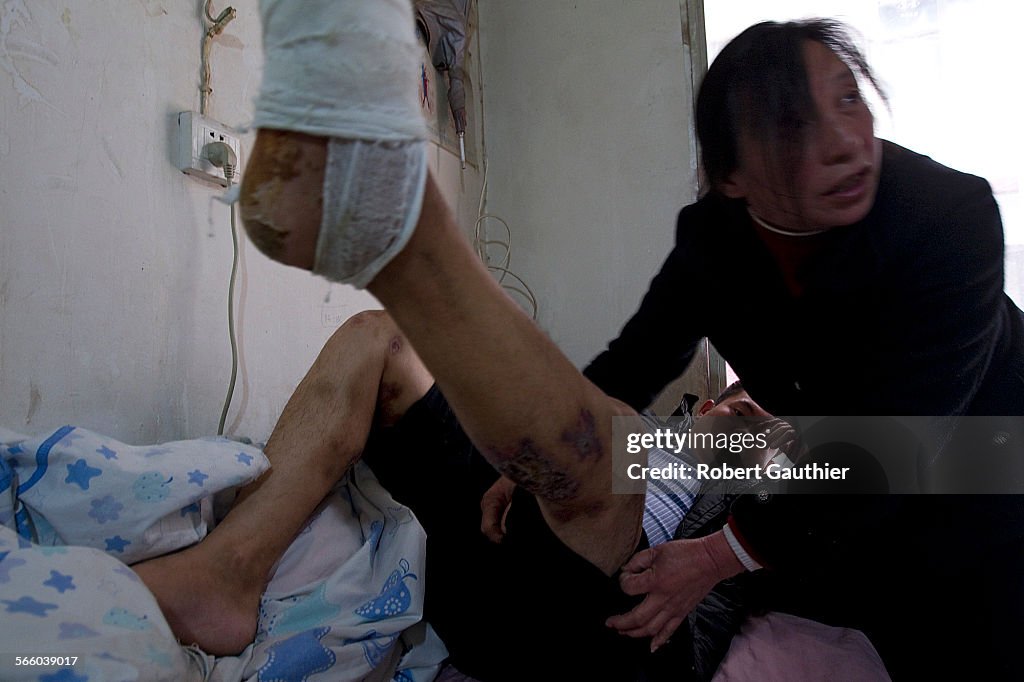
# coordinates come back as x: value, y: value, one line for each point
x: 217, y: 27
x: 222, y: 156
x: 231, y: 322
x: 206, y: 9
x: 481, y: 245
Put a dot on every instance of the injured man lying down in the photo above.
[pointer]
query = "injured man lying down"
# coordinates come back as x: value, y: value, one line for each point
x: 317, y: 572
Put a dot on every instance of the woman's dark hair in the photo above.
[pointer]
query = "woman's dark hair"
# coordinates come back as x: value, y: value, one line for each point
x: 758, y: 84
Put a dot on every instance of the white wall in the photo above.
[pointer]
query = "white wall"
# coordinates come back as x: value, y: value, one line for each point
x: 587, y: 111
x: 113, y: 265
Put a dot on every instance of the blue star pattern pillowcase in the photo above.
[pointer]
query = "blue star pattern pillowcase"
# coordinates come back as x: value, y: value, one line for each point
x: 77, y: 487
x: 345, y: 601
x: 74, y: 613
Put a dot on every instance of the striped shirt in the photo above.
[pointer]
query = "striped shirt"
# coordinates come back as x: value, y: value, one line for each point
x: 667, y: 500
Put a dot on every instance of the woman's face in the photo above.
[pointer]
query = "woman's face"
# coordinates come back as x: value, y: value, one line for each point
x: 835, y: 178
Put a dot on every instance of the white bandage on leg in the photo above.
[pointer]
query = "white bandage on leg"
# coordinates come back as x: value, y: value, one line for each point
x: 372, y: 198
x: 341, y: 68
x: 349, y: 70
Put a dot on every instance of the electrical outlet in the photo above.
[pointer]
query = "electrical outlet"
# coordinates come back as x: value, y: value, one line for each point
x: 194, y: 133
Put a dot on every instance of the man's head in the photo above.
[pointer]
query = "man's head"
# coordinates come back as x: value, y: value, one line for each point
x: 734, y: 401
x: 732, y: 412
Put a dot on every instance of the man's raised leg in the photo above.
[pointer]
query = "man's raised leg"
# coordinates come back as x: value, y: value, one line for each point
x: 524, y: 405
x: 336, y: 184
x: 210, y: 592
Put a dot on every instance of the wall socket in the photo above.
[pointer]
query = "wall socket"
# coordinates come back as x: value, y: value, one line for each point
x: 194, y: 133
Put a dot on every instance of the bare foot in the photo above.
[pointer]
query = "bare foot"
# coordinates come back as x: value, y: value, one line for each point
x: 207, y: 601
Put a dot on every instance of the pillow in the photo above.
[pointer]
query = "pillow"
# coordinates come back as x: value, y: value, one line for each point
x: 76, y: 487
x: 74, y: 613
x: 781, y: 646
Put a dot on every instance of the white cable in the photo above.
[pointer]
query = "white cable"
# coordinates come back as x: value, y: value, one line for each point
x: 528, y: 294
x: 481, y: 244
x: 206, y: 9
x: 478, y: 243
x: 204, y: 78
x: 222, y: 156
x: 231, y: 322
x: 504, y: 245
x: 212, y: 32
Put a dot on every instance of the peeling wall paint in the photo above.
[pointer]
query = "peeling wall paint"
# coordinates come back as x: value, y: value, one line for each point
x: 13, y: 43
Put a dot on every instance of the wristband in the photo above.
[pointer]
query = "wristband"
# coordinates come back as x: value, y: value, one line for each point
x: 737, y: 548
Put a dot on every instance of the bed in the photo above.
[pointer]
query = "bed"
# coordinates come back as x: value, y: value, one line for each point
x: 76, y: 507
x: 344, y: 602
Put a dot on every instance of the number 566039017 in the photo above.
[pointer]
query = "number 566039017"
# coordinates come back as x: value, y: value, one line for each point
x: 45, y: 660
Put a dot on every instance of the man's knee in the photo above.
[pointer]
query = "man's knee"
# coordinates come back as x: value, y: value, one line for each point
x: 370, y: 348
x: 366, y: 331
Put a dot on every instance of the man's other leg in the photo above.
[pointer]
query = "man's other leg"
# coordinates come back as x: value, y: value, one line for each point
x: 210, y: 592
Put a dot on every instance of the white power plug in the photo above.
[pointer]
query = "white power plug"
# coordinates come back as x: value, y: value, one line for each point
x: 222, y: 156
x: 201, y: 150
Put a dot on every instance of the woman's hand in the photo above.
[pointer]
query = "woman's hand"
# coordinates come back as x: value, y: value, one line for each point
x: 675, y: 576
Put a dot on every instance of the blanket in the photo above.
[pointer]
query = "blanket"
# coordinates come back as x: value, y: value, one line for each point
x: 76, y: 507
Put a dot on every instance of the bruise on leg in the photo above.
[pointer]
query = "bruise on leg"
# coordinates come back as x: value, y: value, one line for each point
x: 602, y: 528
x: 390, y: 392
x: 527, y: 465
x: 583, y: 437
x: 387, y: 397
x: 530, y: 466
x: 404, y: 380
